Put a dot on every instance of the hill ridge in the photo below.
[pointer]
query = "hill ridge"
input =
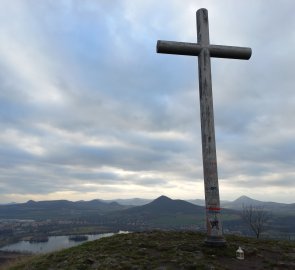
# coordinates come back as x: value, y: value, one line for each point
x: 166, y: 250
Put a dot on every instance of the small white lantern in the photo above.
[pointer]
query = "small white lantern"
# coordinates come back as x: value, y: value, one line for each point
x: 240, y: 254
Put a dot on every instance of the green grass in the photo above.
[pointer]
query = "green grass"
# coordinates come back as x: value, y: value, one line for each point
x: 173, y: 250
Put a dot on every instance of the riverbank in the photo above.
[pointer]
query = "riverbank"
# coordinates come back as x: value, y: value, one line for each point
x: 26, y: 236
x: 23, y: 248
x: 16, y: 254
x: 53, y: 243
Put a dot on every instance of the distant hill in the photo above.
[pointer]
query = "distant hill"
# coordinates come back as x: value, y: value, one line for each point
x: 201, y: 202
x: 165, y: 250
x: 165, y: 213
x: 131, y: 202
x: 165, y: 206
x: 236, y: 204
x: 8, y: 203
x: 271, y: 206
x: 161, y: 213
x: 56, y: 209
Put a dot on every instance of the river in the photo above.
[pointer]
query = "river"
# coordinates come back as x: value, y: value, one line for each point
x: 54, y: 243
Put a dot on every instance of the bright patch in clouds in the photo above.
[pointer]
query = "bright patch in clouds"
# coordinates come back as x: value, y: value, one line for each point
x: 89, y: 110
x: 15, y: 138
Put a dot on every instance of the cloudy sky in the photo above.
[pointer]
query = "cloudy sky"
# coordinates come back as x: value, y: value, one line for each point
x: 88, y: 109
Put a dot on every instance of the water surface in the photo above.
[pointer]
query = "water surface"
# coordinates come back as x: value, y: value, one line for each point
x: 54, y: 243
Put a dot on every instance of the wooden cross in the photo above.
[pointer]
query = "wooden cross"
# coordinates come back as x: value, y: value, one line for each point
x: 204, y: 50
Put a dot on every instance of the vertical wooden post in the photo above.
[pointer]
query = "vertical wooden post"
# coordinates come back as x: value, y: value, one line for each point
x: 213, y: 221
x: 204, y: 51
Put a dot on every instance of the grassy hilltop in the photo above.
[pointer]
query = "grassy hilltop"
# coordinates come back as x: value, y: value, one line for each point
x: 166, y: 250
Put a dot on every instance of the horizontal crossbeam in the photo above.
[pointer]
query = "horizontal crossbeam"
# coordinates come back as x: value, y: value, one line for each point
x: 194, y: 49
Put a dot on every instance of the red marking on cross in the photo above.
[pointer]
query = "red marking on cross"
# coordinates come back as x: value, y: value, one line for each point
x: 214, y: 208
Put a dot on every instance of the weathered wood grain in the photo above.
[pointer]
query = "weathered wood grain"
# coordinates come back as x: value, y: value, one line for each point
x: 194, y: 49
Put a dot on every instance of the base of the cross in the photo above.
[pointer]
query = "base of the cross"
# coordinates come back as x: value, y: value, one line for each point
x: 215, y: 241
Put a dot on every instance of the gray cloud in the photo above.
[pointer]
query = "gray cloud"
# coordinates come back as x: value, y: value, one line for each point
x: 87, y: 107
